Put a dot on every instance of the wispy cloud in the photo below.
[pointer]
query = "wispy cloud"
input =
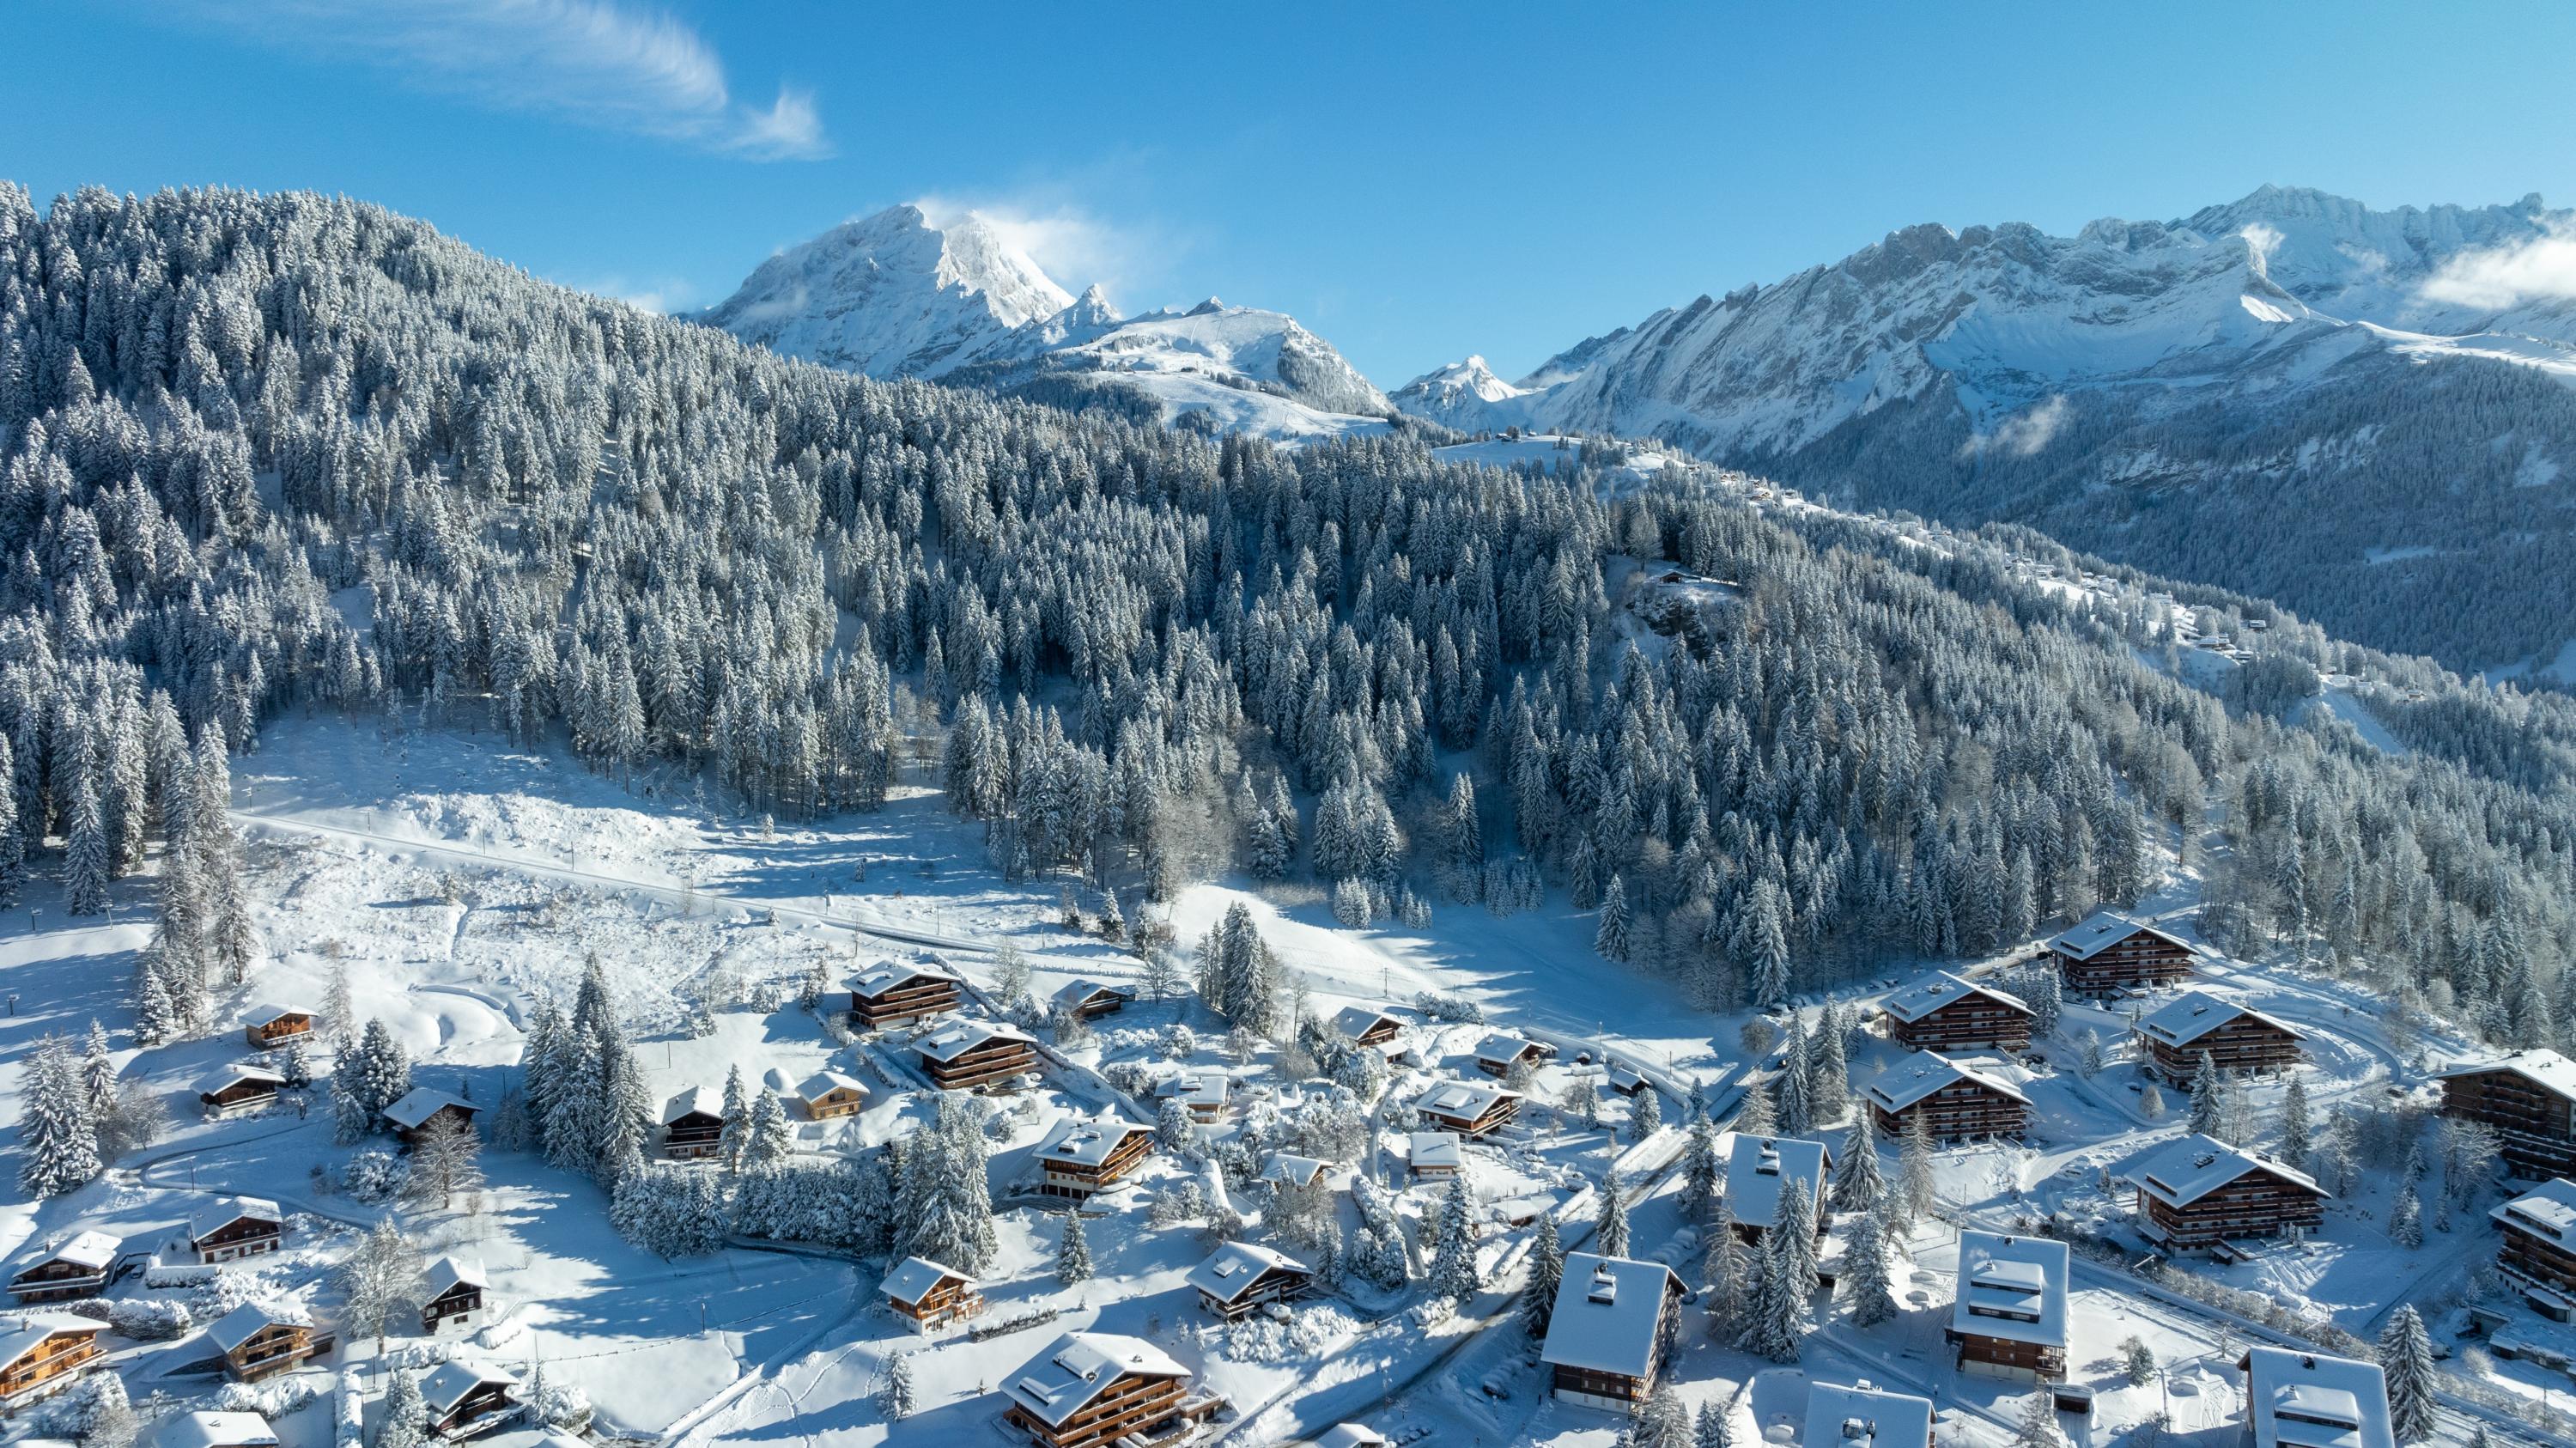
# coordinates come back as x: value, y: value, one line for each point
x: 1068, y: 242
x: 616, y: 67
x: 2023, y: 433
x: 2542, y: 268
x: 667, y: 296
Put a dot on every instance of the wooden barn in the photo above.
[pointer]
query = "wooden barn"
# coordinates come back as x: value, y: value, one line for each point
x: 1242, y: 1276
x: 268, y: 1027
x: 976, y: 1055
x: 2236, y: 1037
x: 422, y: 1108
x: 930, y: 1296
x: 2538, y: 1230
x: 693, y: 1124
x: 1467, y: 1108
x: 80, y: 1267
x: 2009, y: 1319
x: 891, y: 993
x: 257, y: 1343
x: 238, y: 1089
x: 1365, y: 1027
x: 2529, y: 1098
x: 1083, y: 1157
x: 1945, y: 1012
x: 1758, y: 1168
x: 2297, y: 1399
x: 1497, y: 1054
x: 1090, y: 999
x: 2199, y: 1193
x: 231, y: 1228
x: 44, y: 1353
x: 452, y: 1295
x: 829, y: 1094
x: 1861, y: 1416
x: 1954, y: 1100
x: 1093, y: 1389
x: 467, y: 1400
x: 1607, y: 1332
x: 2111, y: 952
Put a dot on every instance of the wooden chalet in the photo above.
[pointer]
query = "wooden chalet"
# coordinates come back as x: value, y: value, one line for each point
x: 453, y: 1296
x: 1861, y: 1416
x: 2529, y: 1098
x: 1497, y: 1054
x: 1468, y: 1108
x: 1433, y: 1155
x: 44, y: 1353
x: 693, y: 1124
x: 1241, y: 1277
x: 829, y: 1094
x: 1093, y: 1389
x: 2010, y: 1316
x: 2173, y: 1038
x: 2297, y: 1399
x: 268, y: 1027
x: 1945, y: 1012
x: 237, y: 1089
x: 930, y: 1296
x: 80, y: 1267
x: 1954, y: 1100
x: 1202, y: 1093
x: 422, y: 1108
x: 215, y: 1430
x: 975, y: 1055
x: 2198, y: 1194
x: 1083, y: 1157
x: 2111, y: 952
x: 231, y: 1228
x: 467, y: 1400
x: 1607, y: 1332
x: 1090, y: 999
x: 1625, y: 1079
x: 1365, y: 1027
x: 890, y: 993
x: 1759, y: 1168
x: 2538, y: 1231
x: 258, y: 1343
x: 1287, y: 1169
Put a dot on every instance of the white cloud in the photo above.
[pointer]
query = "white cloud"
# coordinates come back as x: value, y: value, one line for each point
x: 2540, y: 269
x: 1067, y: 242
x: 667, y: 296
x: 2023, y: 433
x: 2264, y: 239
x: 617, y: 67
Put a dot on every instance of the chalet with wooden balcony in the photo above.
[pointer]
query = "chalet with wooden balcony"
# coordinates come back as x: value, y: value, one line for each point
x: 257, y: 1342
x: 1241, y: 1277
x: 2115, y: 953
x: 1433, y: 1155
x: 2297, y: 1399
x: 2236, y: 1037
x: 1094, y: 1389
x: 1497, y: 1054
x: 2529, y: 1099
x: 976, y: 1055
x: 1945, y: 1012
x: 423, y: 1109
x: 1607, y: 1332
x: 469, y: 1399
x: 1362, y: 1026
x: 215, y: 1430
x: 453, y: 1295
x: 44, y: 1353
x: 1468, y: 1108
x: 826, y: 1095
x: 1759, y: 1168
x: 1091, y: 999
x: 2198, y: 1194
x: 231, y: 1228
x: 1955, y: 1101
x: 238, y: 1090
x: 893, y: 993
x: 1202, y: 1093
x: 693, y: 1124
x: 2538, y: 1231
x: 2010, y: 1316
x: 77, y: 1268
x: 1860, y: 1416
x: 268, y: 1027
x: 1080, y: 1158
x: 930, y: 1295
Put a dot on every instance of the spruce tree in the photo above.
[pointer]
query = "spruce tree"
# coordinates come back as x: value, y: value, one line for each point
x: 1703, y: 1176
x: 769, y: 1141
x: 86, y: 860
x: 58, y: 1130
x: 1610, y: 1238
x: 1072, y: 1253
x: 1546, y: 1272
x: 1857, y: 1183
x: 1865, y: 1274
x: 1711, y: 1431
x: 2406, y: 1358
x: 403, y: 1421
x: 1795, y: 1226
x: 895, y: 1395
x: 1797, y: 1108
x: 1454, y: 1272
x: 1756, y: 1116
x: 1647, y: 1117
x: 1829, y: 1083
x: 736, y: 1131
x: 1727, y: 1269
x: 2208, y: 1106
x: 1611, y: 940
x: 1914, y: 1190
x: 2294, y: 1122
x: 2037, y: 1427
x: 2406, y: 1217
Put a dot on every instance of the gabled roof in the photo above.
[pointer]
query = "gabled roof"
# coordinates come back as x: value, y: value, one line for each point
x: 1078, y: 1367
x: 1608, y: 1310
x: 2310, y: 1400
x: 1757, y: 1167
x: 885, y: 975
x: 1462, y: 1100
x: 1358, y: 1021
x: 696, y: 1101
x: 1622, y: 1077
x: 1351, y: 1435
x: 1919, y: 1075
x: 957, y: 1038
x: 824, y: 1083
x: 222, y: 1212
x: 34, y: 1329
x: 216, y: 1430
x: 449, y: 1383
x: 2194, y: 1166
x: 245, y: 1322
x: 264, y: 1014
x: 2547, y: 1210
x: 2105, y: 928
x: 2194, y: 1014
x: 1503, y: 1048
x: 1293, y: 1169
x: 94, y: 1250
x: 1941, y: 988
x: 449, y: 1273
x: 2021, y: 1275
x: 1237, y: 1265
x: 2543, y: 1068
x: 1865, y: 1417
x: 913, y: 1277
x: 421, y: 1103
x: 225, y: 1078
x: 1432, y: 1149
x: 1088, y: 1143
x: 1075, y: 992
x: 1197, y: 1088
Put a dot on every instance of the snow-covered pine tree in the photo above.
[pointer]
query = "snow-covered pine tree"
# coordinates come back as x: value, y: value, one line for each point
x: 1757, y: 1116
x: 2089, y: 1053
x: 1865, y: 1275
x: 1829, y: 1081
x: 1795, y: 1225
x: 403, y: 1419
x: 1546, y: 1272
x: 769, y: 1141
x: 2208, y: 1105
x: 98, y: 1072
x: 85, y: 854
x: 1710, y: 1430
x: 339, y: 1012
x: 736, y: 1131
x: 1775, y: 1316
x: 1647, y: 1116
x: 1454, y: 1271
x: 1072, y: 1253
x: 58, y: 1131
x: 2406, y: 1358
x: 2294, y: 1122
x: 1857, y: 1182
x: 1610, y: 1236
x: 1797, y: 1107
x: 2406, y: 1217
x: 1611, y: 939
x: 1727, y: 1269
x: 895, y: 1395
x: 1665, y: 1422
x: 1703, y: 1175
x: 2037, y: 1426
x: 1914, y: 1188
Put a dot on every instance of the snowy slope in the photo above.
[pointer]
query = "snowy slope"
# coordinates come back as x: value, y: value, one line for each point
x: 1465, y: 395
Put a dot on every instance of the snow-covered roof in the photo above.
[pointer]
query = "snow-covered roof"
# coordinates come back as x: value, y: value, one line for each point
x: 912, y: 1279
x: 824, y: 1083
x: 1351, y: 1435
x: 2105, y: 928
x: 94, y: 1250
x: 1757, y: 1167
x: 1197, y: 1088
x: 34, y: 1328
x: 448, y: 1384
x: 1461, y: 1100
x: 222, y: 1212
x: 1941, y: 988
x: 244, y: 1323
x: 226, y: 1078
x: 1919, y: 1075
x: 216, y: 1430
x: 421, y: 1103
x: 1502, y: 1048
x: 957, y: 1038
x: 1358, y: 1021
x: 268, y: 1013
x: 449, y: 1273
x: 1861, y: 1416
x: 2309, y: 1400
x: 2194, y: 1014
x: 696, y: 1101
x: 2013, y: 1288
x: 1622, y: 1077
x: 1608, y: 1310
x: 2194, y: 1166
x: 1078, y: 1367
x: 1074, y: 992
x: 1087, y: 1143
x: 1435, y: 1149
x: 2548, y: 1209
x: 1293, y: 1169
x: 1237, y: 1265
x: 2543, y: 1068
x: 885, y: 975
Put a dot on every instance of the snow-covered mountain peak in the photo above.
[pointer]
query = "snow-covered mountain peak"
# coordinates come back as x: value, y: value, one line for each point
x: 1466, y: 395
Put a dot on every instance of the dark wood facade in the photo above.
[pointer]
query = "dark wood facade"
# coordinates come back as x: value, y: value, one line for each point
x: 693, y: 1136
x: 280, y: 1347
x: 486, y: 1399
x: 2257, y: 1205
x: 1500, y: 1110
x: 453, y: 1308
x: 996, y: 1059
x: 1965, y: 1110
x: 242, y: 1093
x: 2537, y: 1236
x: 909, y: 997
x: 2535, y: 1124
x: 1149, y: 1407
x: 1976, y: 1019
x: 60, y: 1278
x: 244, y: 1236
x: 49, y: 1362
x: 2249, y: 1044
x: 279, y: 1029
x: 2143, y: 958
x: 1275, y: 1283
x: 1065, y: 1173
x: 1596, y: 1388
x: 2045, y: 1362
x: 952, y: 1298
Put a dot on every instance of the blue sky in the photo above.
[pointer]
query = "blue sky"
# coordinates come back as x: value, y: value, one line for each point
x: 1414, y: 181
